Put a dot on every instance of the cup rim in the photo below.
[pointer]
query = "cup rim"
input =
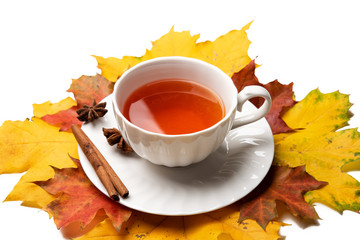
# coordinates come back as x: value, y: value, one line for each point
x: 172, y: 58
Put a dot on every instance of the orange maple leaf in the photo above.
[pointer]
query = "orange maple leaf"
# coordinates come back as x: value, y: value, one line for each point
x: 86, y: 89
x: 79, y: 200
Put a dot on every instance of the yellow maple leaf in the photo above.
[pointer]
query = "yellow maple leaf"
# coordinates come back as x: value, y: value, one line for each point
x: 48, y: 108
x: 32, y: 146
x: 217, y: 225
x: 228, y: 52
x: 174, y: 44
x: 324, y: 151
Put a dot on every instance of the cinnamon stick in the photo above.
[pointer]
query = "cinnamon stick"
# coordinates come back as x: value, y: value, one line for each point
x: 106, y: 174
x: 118, y: 184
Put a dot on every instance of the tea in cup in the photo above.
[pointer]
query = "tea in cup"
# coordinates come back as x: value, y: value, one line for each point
x: 175, y: 111
x: 174, y: 106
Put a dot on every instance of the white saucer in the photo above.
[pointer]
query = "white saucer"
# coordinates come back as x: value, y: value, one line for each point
x: 223, y: 178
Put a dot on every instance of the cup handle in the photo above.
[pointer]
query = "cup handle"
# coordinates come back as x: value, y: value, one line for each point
x: 246, y: 94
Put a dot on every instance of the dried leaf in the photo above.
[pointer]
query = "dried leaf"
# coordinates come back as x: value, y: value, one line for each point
x: 281, y: 184
x: 86, y: 89
x: 325, y: 150
x: 228, y: 52
x: 79, y: 200
x: 282, y: 96
x: 220, y: 224
x: 61, y: 114
x: 63, y: 119
x: 48, y: 108
x: 112, y: 68
x: 33, y: 146
x: 246, y: 77
x: 282, y: 100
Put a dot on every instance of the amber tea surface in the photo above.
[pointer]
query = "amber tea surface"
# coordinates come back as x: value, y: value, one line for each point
x: 174, y: 106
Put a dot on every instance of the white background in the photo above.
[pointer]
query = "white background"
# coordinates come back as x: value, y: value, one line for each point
x: 45, y: 44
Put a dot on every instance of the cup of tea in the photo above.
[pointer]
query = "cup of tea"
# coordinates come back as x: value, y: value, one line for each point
x: 175, y: 111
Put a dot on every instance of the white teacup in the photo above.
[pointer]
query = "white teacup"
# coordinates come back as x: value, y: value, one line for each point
x: 184, y: 149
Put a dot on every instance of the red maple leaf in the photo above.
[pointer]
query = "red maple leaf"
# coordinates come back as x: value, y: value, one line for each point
x: 63, y: 119
x: 281, y: 184
x: 282, y: 96
x: 78, y: 200
x: 246, y: 77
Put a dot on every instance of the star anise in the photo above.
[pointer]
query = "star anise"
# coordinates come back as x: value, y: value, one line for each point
x: 89, y: 113
x: 114, y: 136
